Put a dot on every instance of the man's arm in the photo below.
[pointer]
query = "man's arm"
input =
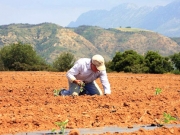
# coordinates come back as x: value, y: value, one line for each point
x: 72, y: 72
x: 105, y: 83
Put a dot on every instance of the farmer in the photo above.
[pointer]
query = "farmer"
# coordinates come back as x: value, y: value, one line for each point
x: 81, y: 77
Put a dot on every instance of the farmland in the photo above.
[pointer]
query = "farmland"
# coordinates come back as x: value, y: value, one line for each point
x: 27, y: 102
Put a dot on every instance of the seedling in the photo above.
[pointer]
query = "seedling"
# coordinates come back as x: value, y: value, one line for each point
x: 81, y: 84
x: 158, y: 91
x: 62, y: 125
x: 167, y: 118
x: 56, y: 92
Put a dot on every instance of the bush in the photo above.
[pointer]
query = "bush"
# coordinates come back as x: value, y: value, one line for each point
x: 177, y: 72
x: 64, y: 61
x: 157, y: 64
x: 21, y: 57
x: 129, y: 61
x: 176, y: 60
x: 1, y: 65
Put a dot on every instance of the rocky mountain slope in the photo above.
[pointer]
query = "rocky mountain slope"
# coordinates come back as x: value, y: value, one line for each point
x: 49, y: 40
x: 161, y: 19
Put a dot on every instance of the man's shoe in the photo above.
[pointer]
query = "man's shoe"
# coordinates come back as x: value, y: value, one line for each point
x: 58, y: 92
x: 61, y: 92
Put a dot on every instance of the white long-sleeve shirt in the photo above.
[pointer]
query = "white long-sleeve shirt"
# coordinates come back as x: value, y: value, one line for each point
x: 82, y: 71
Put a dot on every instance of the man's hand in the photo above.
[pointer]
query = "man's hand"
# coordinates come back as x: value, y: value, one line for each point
x: 78, y: 82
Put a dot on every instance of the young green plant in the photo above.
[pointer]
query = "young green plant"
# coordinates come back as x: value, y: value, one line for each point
x: 167, y: 118
x: 56, y: 92
x: 62, y: 125
x: 81, y: 84
x: 158, y: 91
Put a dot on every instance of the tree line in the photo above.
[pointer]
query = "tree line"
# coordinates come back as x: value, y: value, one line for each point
x: 22, y: 57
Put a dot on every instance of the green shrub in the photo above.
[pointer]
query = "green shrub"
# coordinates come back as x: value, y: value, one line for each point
x: 64, y: 61
x: 21, y: 57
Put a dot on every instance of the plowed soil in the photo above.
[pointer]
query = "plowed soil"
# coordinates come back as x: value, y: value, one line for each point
x: 27, y: 102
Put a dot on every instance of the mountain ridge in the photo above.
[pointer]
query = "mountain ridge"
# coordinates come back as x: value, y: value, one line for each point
x: 49, y: 40
x: 162, y: 19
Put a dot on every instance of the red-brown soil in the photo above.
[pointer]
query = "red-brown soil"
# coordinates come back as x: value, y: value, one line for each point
x: 27, y: 102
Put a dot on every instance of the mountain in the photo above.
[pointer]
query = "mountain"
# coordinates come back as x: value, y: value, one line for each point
x: 176, y: 39
x: 162, y: 19
x: 112, y: 40
x: 49, y: 40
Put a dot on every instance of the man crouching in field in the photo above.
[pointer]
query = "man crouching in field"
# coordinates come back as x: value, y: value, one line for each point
x: 82, y: 76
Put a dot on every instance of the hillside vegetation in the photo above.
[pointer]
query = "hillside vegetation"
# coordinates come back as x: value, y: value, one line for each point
x: 49, y: 40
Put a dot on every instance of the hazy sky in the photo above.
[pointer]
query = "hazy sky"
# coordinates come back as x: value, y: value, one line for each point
x: 60, y: 12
